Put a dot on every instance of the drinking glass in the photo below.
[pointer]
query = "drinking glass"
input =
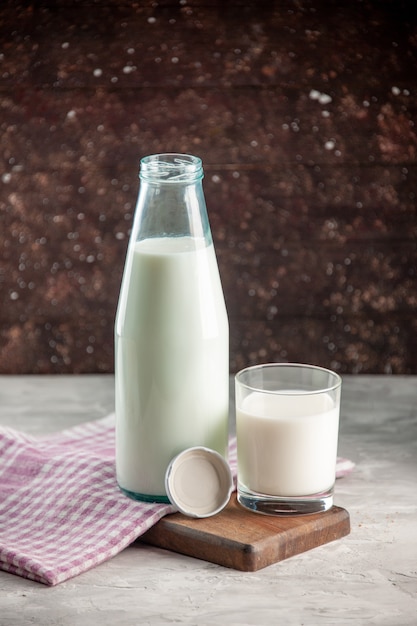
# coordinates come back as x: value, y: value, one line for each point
x: 287, y: 424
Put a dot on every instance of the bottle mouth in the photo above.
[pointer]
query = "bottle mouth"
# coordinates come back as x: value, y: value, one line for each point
x: 171, y: 168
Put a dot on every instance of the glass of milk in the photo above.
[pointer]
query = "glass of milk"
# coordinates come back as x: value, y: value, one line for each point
x: 287, y: 424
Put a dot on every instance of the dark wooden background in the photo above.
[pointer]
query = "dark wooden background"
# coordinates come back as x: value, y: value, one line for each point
x: 304, y: 113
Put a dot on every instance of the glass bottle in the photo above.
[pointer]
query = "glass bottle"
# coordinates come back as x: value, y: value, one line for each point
x: 171, y: 331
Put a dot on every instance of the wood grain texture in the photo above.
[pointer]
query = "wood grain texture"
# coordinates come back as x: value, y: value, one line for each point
x: 245, y: 541
x: 304, y: 116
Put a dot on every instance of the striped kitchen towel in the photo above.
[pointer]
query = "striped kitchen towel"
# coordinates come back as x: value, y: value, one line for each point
x: 61, y: 511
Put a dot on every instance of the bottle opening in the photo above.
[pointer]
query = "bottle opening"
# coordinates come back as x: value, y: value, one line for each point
x: 171, y: 168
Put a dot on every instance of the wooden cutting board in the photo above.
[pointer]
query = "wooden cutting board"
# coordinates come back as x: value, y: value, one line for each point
x: 247, y: 541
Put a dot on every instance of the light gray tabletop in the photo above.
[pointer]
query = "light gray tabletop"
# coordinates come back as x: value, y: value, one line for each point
x: 368, y: 577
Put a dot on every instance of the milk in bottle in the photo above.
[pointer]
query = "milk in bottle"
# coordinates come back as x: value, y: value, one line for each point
x: 171, y: 332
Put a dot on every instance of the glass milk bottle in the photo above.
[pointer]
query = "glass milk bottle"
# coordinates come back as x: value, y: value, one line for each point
x: 171, y: 331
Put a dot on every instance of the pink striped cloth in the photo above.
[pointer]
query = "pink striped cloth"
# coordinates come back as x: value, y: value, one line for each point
x: 61, y: 511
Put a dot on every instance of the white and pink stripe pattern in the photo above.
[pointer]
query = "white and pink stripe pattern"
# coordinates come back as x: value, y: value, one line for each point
x: 61, y: 511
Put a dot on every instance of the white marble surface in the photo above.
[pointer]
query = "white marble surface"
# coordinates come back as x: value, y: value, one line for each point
x: 369, y: 577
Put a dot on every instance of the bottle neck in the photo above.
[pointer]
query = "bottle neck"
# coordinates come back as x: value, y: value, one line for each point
x: 171, y: 169
x: 171, y: 200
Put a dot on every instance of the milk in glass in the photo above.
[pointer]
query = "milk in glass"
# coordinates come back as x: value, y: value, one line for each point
x: 287, y: 443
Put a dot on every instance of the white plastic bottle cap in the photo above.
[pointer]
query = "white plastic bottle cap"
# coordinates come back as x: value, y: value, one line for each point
x: 199, y: 482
